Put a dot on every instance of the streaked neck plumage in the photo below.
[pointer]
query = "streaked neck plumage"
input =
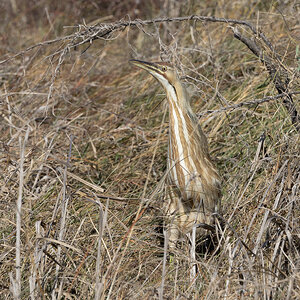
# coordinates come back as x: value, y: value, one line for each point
x: 182, y: 117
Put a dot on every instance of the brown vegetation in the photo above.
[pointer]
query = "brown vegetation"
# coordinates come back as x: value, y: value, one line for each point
x: 84, y: 139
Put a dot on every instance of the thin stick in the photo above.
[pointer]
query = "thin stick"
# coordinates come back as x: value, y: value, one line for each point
x: 166, y: 242
x: 193, y: 255
x: 62, y: 222
x: 91, y: 185
x: 246, y: 103
x: 102, y: 222
x: 16, y: 283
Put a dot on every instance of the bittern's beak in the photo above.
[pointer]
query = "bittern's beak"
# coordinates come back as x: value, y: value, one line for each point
x: 148, y: 66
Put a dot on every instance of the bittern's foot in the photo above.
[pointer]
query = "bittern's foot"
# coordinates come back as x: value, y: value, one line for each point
x: 159, y: 231
x: 206, y: 245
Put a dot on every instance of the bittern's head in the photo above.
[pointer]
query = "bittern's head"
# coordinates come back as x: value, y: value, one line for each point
x: 162, y: 71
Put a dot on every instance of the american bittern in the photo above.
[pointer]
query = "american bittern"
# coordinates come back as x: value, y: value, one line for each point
x: 193, y: 181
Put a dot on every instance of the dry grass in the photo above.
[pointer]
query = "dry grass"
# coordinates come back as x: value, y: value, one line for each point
x: 96, y: 128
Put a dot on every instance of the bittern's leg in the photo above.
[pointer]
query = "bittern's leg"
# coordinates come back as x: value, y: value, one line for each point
x: 205, y: 223
x: 202, y: 217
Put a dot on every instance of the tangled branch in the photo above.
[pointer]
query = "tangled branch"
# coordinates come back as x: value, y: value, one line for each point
x: 278, y: 75
x: 87, y: 34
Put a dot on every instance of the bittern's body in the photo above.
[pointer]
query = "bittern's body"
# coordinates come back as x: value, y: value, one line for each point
x: 194, y: 184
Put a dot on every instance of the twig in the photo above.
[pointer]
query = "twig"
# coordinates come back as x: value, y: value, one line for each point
x: 102, y: 223
x: 91, y: 185
x: 87, y: 34
x: 163, y: 276
x: 259, y: 206
x: 277, y: 73
x: 16, y: 282
x: 246, y: 103
x: 62, y: 229
x: 259, y: 149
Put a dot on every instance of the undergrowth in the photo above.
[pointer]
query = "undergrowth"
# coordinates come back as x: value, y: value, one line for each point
x: 95, y: 155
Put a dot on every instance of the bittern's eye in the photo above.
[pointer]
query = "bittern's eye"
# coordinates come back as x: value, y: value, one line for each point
x: 164, y: 69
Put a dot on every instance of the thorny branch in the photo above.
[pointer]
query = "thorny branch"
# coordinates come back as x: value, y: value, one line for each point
x: 277, y: 73
x: 87, y: 34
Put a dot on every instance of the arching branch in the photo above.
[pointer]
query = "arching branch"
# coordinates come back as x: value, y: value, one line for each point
x: 278, y: 75
x: 87, y: 34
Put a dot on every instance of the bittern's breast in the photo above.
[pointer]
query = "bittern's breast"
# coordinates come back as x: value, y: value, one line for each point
x: 194, y: 180
x: 191, y: 172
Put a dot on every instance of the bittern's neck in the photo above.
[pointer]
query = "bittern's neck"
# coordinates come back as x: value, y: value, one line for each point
x: 178, y: 99
x: 183, y: 121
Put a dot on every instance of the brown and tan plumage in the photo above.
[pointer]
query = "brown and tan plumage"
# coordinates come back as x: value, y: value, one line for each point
x: 193, y: 181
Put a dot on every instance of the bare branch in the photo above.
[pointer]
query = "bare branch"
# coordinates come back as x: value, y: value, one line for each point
x: 246, y: 103
x: 16, y: 282
x: 87, y: 34
x: 278, y: 75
